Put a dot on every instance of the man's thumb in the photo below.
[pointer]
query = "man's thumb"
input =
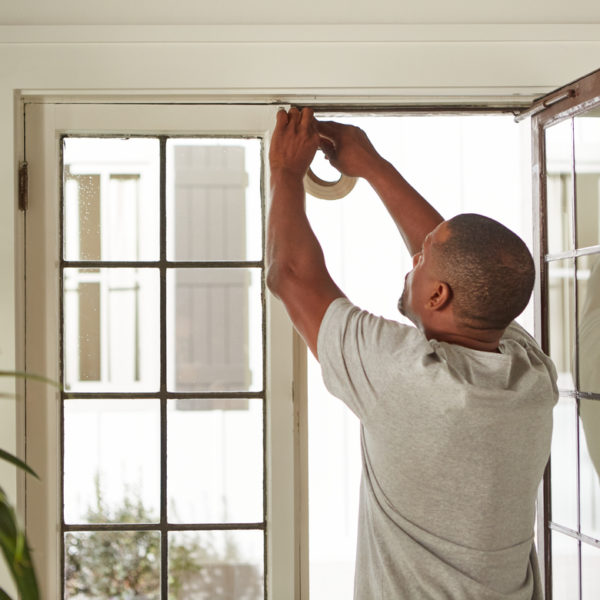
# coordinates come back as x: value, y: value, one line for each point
x: 328, y: 148
x: 327, y: 130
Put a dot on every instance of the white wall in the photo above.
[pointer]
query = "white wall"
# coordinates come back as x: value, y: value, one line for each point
x: 379, y: 51
x: 158, y: 12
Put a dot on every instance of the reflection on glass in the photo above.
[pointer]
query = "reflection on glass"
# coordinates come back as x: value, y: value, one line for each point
x: 111, y: 329
x: 214, y: 329
x: 561, y: 308
x: 589, y: 413
x: 587, y: 173
x: 214, y: 199
x: 588, y: 286
x: 563, y: 459
x: 559, y: 186
x: 588, y: 295
x: 216, y: 565
x: 215, y: 460
x: 111, y: 198
x: 590, y: 572
x: 116, y: 564
x: 565, y: 566
x: 112, y: 461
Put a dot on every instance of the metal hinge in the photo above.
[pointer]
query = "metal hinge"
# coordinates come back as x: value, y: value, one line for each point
x: 545, y: 102
x: 23, y: 186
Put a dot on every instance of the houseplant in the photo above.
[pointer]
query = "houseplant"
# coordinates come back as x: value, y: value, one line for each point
x: 13, y: 541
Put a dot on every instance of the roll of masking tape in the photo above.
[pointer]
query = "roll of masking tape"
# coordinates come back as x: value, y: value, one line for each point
x: 328, y: 190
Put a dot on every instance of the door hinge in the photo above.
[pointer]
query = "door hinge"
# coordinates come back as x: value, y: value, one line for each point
x: 23, y: 186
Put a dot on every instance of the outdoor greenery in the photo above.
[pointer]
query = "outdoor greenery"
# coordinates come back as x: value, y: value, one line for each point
x: 125, y: 565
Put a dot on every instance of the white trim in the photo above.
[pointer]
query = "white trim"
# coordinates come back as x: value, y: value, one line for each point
x: 42, y: 433
x: 330, y: 34
x: 345, y: 99
x: 344, y: 65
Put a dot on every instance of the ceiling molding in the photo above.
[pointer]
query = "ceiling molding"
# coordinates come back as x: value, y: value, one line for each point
x: 264, y: 34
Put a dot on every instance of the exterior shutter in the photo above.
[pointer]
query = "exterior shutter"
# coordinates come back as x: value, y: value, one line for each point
x: 211, y: 309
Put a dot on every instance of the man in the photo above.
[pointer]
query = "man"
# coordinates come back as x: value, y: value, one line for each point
x: 456, y: 413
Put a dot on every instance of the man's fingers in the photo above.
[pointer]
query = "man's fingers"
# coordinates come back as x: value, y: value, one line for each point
x: 282, y: 118
x: 294, y: 117
x: 307, y: 117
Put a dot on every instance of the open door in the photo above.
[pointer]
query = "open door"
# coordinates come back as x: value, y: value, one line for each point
x: 168, y: 456
x: 566, y: 179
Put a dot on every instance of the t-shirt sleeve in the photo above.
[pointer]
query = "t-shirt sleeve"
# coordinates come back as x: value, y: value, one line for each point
x: 361, y: 354
x: 517, y: 333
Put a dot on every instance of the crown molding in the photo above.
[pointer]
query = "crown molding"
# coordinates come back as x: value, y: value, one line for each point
x: 266, y: 34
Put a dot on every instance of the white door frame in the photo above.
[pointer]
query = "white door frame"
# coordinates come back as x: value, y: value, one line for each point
x: 45, y: 123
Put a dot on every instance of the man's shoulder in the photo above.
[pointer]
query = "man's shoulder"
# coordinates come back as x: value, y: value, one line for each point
x: 343, y: 319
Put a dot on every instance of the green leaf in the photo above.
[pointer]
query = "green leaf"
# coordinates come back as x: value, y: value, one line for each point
x: 16, y: 552
x: 30, y: 376
x: 4, y: 595
x: 16, y: 461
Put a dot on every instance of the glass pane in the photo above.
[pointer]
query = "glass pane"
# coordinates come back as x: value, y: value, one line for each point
x: 123, y: 565
x: 111, y: 330
x: 215, y: 460
x: 589, y: 456
x: 561, y: 320
x: 590, y: 572
x: 564, y: 463
x: 111, y: 198
x: 214, y: 565
x: 214, y: 330
x: 112, y: 461
x: 565, y: 567
x: 588, y: 297
x: 587, y: 173
x: 559, y: 186
x: 214, y: 199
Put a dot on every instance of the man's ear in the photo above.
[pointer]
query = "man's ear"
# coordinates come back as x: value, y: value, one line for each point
x: 440, y: 297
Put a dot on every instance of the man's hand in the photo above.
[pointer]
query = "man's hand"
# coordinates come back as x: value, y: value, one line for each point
x: 296, y: 271
x: 294, y: 143
x: 347, y: 148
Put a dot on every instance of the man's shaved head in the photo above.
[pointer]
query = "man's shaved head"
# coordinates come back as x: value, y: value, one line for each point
x: 488, y: 268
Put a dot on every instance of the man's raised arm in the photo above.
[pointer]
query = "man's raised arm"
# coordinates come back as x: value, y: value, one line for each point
x: 349, y: 150
x: 296, y: 271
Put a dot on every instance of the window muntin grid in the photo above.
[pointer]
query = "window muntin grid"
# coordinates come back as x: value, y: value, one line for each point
x: 93, y: 266
x: 570, y: 212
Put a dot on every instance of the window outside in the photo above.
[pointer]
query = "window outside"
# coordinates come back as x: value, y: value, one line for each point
x: 163, y: 415
x: 460, y: 163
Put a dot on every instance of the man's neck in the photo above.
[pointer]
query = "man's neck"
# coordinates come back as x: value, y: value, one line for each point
x: 486, y: 340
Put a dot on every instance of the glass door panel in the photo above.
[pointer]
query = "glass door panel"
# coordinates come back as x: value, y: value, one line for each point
x: 117, y: 340
x: 569, y: 134
x: 154, y: 244
x: 587, y: 177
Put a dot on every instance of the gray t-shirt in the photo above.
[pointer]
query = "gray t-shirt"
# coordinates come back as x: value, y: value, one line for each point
x: 454, y: 445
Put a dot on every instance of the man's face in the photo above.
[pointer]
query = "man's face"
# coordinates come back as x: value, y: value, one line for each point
x: 420, y: 283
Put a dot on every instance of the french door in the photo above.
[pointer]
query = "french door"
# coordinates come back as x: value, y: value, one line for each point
x: 566, y: 164
x: 166, y: 461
